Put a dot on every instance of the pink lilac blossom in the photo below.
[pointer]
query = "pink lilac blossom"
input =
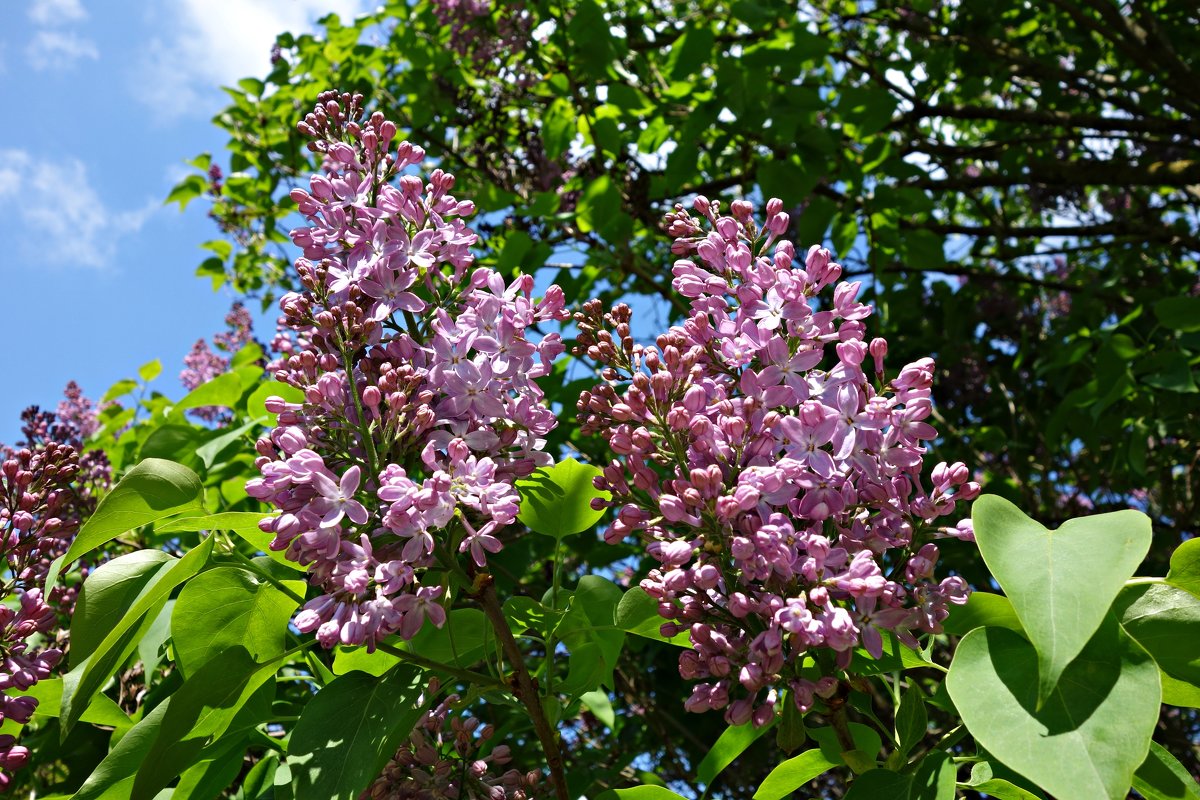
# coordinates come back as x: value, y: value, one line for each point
x: 444, y: 757
x: 46, y: 490
x: 771, y: 467
x: 420, y: 404
x: 202, y: 364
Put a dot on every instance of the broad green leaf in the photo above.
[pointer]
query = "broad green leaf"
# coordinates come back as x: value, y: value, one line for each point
x: 793, y: 774
x: 112, y: 779
x: 213, y: 448
x: 255, y: 402
x: 216, y: 770
x: 880, y: 784
x: 866, y: 742
x: 600, y: 706
x: 224, y: 390
x: 1185, y: 567
x: 153, y: 490
x: 599, y: 204
x: 465, y: 638
x: 896, y: 656
x: 1162, y: 777
x: 357, y: 659
x: 934, y: 778
x: 588, y: 630
x: 108, y: 593
x: 556, y: 501
x: 243, y: 523
x: 1062, y: 582
x: 150, y: 370
x: 912, y: 720
x: 89, y: 675
x: 637, y: 613
x: 101, y: 711
x: 729, y: 745
x: 1179, y: 313
x: 640, y: 793
x: 228, y: 607
x: 1089, y: 736
x: 983, y: 779
x: 350, y: 729
x: 982, y: 609
x: 1177, y: 693
x: 1166, y: 622
x: 201, y: 710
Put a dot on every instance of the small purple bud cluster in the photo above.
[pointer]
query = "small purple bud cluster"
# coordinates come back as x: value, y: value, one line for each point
x: 471, y: 33
x: 420, y: 407
x: 777, y: 484
x: 203, y: 364
x: 441, y: 759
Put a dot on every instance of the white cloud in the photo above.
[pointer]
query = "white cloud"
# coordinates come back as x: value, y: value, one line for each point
x: 57, y: 50
x: 211, y: 43
x: 55, y: 215
x: 56, y: 12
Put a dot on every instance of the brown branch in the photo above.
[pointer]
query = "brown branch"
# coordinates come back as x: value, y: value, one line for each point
x: 1181, y: 173
x: 1045, y: 116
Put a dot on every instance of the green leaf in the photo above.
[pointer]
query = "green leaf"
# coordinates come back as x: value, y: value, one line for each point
x: 1003, y: 790
x: 350, y: 729
x: 150, y: 370
x: 588, y: 630
x: 243, y: 523
x: 982, y: 609
x: 1185, y: 567
x: 732, y: 742
x: 558, y: 128
x: 228, y: 607
x: 1092, y: 733
x: 866, y: 742
x: 215, y: 698
x: 110, y: 591
x: 1061, y: 583
x: 793, y: 774
x: 556, y: 501
x: 224, y: 390
x: 1162, y: 777
x: 599, y: 205
x: 101, y: 711
x: 879, y: 784
x: 216, y: 770
x: 637, y: 613
x: 112, y: 779
x: 151, y: 491
x: 120, y: 640
x: 255, y: 403
x: 1179, y: 313
x: 912, y: 721
x: 600, y: 706
x: 934, y: 778
x: 640, y: 793
x: 1165, y: 620
x: 1177, y: 693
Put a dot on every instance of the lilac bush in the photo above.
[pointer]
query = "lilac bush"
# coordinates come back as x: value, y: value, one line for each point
x: 418, y: 373
x: 771, y: 467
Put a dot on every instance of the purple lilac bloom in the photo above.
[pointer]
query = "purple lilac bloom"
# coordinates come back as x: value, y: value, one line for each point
x: 420, y: 403
x: 777, y: 483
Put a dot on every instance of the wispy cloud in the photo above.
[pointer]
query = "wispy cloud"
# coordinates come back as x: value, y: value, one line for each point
x: 211, y: 43
x: 56, y: 12
x: 50, y: 210
x: 59, y: 50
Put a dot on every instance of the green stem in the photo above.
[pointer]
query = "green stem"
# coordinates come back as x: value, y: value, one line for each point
x: 471, y: 676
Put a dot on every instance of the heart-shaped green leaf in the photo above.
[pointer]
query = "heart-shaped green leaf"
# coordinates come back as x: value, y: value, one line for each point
x: 1062, y: 582
x: 1185, y: 567
x: 556, y: 501
x: 1089, y: 736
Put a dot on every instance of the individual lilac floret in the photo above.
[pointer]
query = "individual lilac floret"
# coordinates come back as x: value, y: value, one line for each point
x: 418, y: 373
x: 774, y: 478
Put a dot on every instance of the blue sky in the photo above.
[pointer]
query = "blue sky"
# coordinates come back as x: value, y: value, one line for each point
x: 103, y: 102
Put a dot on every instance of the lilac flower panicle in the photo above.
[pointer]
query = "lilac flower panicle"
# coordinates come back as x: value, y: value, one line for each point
x: 771, y: 466
x: 47, y: 489
x: 202, y: 363
x: 418, y: 374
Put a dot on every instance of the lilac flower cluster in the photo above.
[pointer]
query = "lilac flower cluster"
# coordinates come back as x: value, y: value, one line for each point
x: 202, y: 363
x: 39, y: 515
x: 777, y: 483
x: 469, y: 20
x: 442, y: 759
x: 420, y: 406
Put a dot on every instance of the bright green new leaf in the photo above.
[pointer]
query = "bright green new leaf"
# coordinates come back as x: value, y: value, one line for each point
x: 1062, y: 582
x: 732, y: 742
x: 1185, y: 567
x: 150, y: 370
x: 637, y: 613
x: 89, y: 675
x: 1162, y: 777
x: 600, y: 706
x: 556, y: 501
x: 982, y: 609
x: 226, y: 608
x: 1092, y: 732
x: 224, y: 390
x: 793, y: 774
x: 640, y: 793
x: 229, y: 692
x: 350, y: 729
x: 153, y: 490
x: 110, y: 591
x: 102, y: 710
x: 1178, y: 693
